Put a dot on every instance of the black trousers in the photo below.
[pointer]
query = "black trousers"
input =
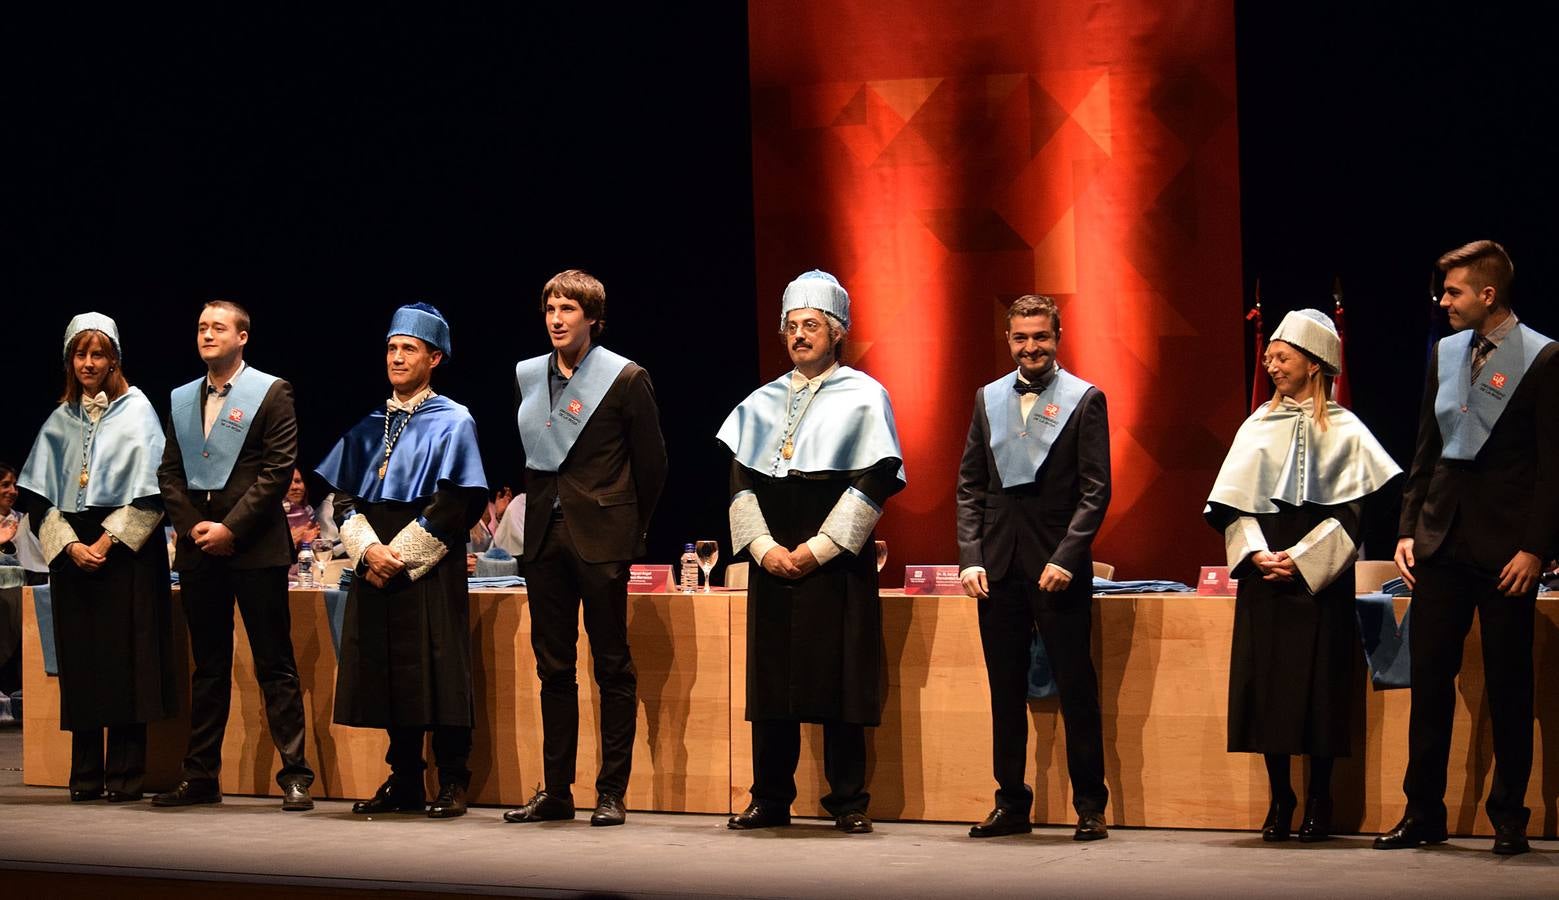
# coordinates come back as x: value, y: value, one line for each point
x: 451, y: 754
x: 557, y: 580
x: 208, y: 593
x: 1008, y: 617
x: 1448, y: 590
x: 122, y: 767
x: 776, y: 748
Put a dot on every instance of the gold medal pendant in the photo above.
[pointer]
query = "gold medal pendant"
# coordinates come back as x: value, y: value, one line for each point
x: 83, y: 478
x: 787, y: 452
x: 383, y: 467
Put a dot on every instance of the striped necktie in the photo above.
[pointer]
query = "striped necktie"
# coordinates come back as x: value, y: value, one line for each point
x: 1481, y: 349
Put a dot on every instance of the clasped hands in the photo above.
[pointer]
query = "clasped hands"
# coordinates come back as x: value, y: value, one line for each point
x: 383, y: 564
x: 791, y: 564
x: 90, y: 558
x: 213, y: 538
x: 1277, y: 566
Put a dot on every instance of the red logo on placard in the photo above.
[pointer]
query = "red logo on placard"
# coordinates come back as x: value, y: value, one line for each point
x: 1051, y: 410
x: 1498, y: 380
x: 575, y: 407
x: 236, y: 415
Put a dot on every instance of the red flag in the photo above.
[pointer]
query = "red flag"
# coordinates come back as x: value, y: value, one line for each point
x: 1340, y: 390
x: 1260, y: 384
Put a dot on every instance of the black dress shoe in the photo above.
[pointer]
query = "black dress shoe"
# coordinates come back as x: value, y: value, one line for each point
x: 86, y: 796
x: 450, y: 802
x: 854, y: 823
x: 608, y: 811
x: 295, y: 797
x: 1317, y: 824
x: 189, y: 793
x: 1003, y: 820
x: 124, y: 796
x: 543, y: 807
x: 756, y: 815
x: 1510, y: 840
x: 1411, y: 832
x: 1279, y: 824
x: 1090, y: 827
x: 392, y: 796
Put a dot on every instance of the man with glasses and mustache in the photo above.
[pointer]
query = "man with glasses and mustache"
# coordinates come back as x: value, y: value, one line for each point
x: 815, y: 454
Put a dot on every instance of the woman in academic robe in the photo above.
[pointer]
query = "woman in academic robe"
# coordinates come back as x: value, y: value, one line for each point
x: 1287, y: 500
x: 90, y: 489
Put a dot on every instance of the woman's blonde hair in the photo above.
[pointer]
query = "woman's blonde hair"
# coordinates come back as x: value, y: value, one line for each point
x: 1320, y: 390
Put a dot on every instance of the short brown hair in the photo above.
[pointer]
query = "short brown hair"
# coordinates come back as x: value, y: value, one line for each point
x: 114, y: 383
x: 1489, y: 265
x: 1035, y: 305
x: 582, y: 288
x: 240, y: 315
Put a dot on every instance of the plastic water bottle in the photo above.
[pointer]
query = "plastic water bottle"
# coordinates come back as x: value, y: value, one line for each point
x: 305, y: 565
x: 687, y: 581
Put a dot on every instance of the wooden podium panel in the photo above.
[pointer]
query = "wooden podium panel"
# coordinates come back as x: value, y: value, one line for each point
x: 681, y: 750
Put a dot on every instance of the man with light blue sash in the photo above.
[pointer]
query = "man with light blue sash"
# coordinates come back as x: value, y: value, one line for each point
x: 1480, y: 513
x: 814, y: 457
x: 595, y: 463
x: 1033, y: 488
x: 232, y: 441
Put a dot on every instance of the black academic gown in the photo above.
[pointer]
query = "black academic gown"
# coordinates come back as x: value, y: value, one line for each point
x: 814, y: 645
x: 1296, y: 665
x: 113, y: 628
x: 406, y: 647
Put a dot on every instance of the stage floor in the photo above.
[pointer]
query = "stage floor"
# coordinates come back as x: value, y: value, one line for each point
x: 246, y: 845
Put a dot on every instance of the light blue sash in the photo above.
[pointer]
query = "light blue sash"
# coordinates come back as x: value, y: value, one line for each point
x: 1021, y: 447
x: 208, y: 461
x: 1466, y: 412
x: 549, y: 433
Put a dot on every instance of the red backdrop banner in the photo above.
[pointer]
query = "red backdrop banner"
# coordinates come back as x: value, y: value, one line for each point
x: 943, y: 158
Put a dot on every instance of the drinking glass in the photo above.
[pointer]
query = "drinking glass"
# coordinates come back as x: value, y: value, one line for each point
x: 882, y: 555
x: 708, y: 552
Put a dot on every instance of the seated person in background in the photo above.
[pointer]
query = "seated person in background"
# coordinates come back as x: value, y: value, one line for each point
x: 510, y: 531
x: 302, y: 520
x: 18, y: 546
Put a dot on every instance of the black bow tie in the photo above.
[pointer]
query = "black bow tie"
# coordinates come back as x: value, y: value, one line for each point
x: 1028, y: 387
x: 221, y: 391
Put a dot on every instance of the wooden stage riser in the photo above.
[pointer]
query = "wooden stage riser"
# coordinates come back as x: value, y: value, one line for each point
x: 1163, y: 670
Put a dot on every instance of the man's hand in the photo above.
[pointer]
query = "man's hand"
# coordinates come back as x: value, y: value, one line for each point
x: 1520, y: 574
x: 803, y: 560
x: 975, y: 583
x: 85, y: 558
x: 1053, y: 579
x: 777, y: 562
x: 103, y: 544
x: 470, y: 564
x: 1404, y: 560
x: 213, y: 538
x: 383, y: 564
x: 1277, y: 566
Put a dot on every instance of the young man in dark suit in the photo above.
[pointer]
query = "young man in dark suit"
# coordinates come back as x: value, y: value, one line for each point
x: 232, y: 443
x: 595, y: 464
x: 1032, y: 491
x: 1480, y: 513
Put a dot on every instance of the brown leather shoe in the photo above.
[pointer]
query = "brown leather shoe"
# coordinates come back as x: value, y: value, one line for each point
x: 1091, y: 827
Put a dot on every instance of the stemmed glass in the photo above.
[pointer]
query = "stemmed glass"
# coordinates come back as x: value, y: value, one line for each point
x: 882, y: 555
x: 708, y: 552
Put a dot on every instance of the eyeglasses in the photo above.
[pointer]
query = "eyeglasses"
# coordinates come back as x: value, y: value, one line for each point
x: 808, y: 327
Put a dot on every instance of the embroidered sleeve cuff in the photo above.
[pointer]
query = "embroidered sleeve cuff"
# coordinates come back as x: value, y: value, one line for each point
x: 55, y: 534
x: 357, y: 536
x: 747, y: 522
x: 760, y: 547
x: 823, y: 548
x: 1323, y: 554
x: 132, y: 526
x: 851, y: 520
x: 418, y: 549
x: 1242, y: 538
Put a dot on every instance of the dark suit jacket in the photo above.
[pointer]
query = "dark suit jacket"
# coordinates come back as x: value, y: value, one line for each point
x: 250, y: 504
x: 611, y: 480
x: 1505, y: 500
x: 1053, y: 520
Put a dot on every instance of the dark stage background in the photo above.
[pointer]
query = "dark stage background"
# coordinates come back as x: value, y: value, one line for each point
x: 324, y: 166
